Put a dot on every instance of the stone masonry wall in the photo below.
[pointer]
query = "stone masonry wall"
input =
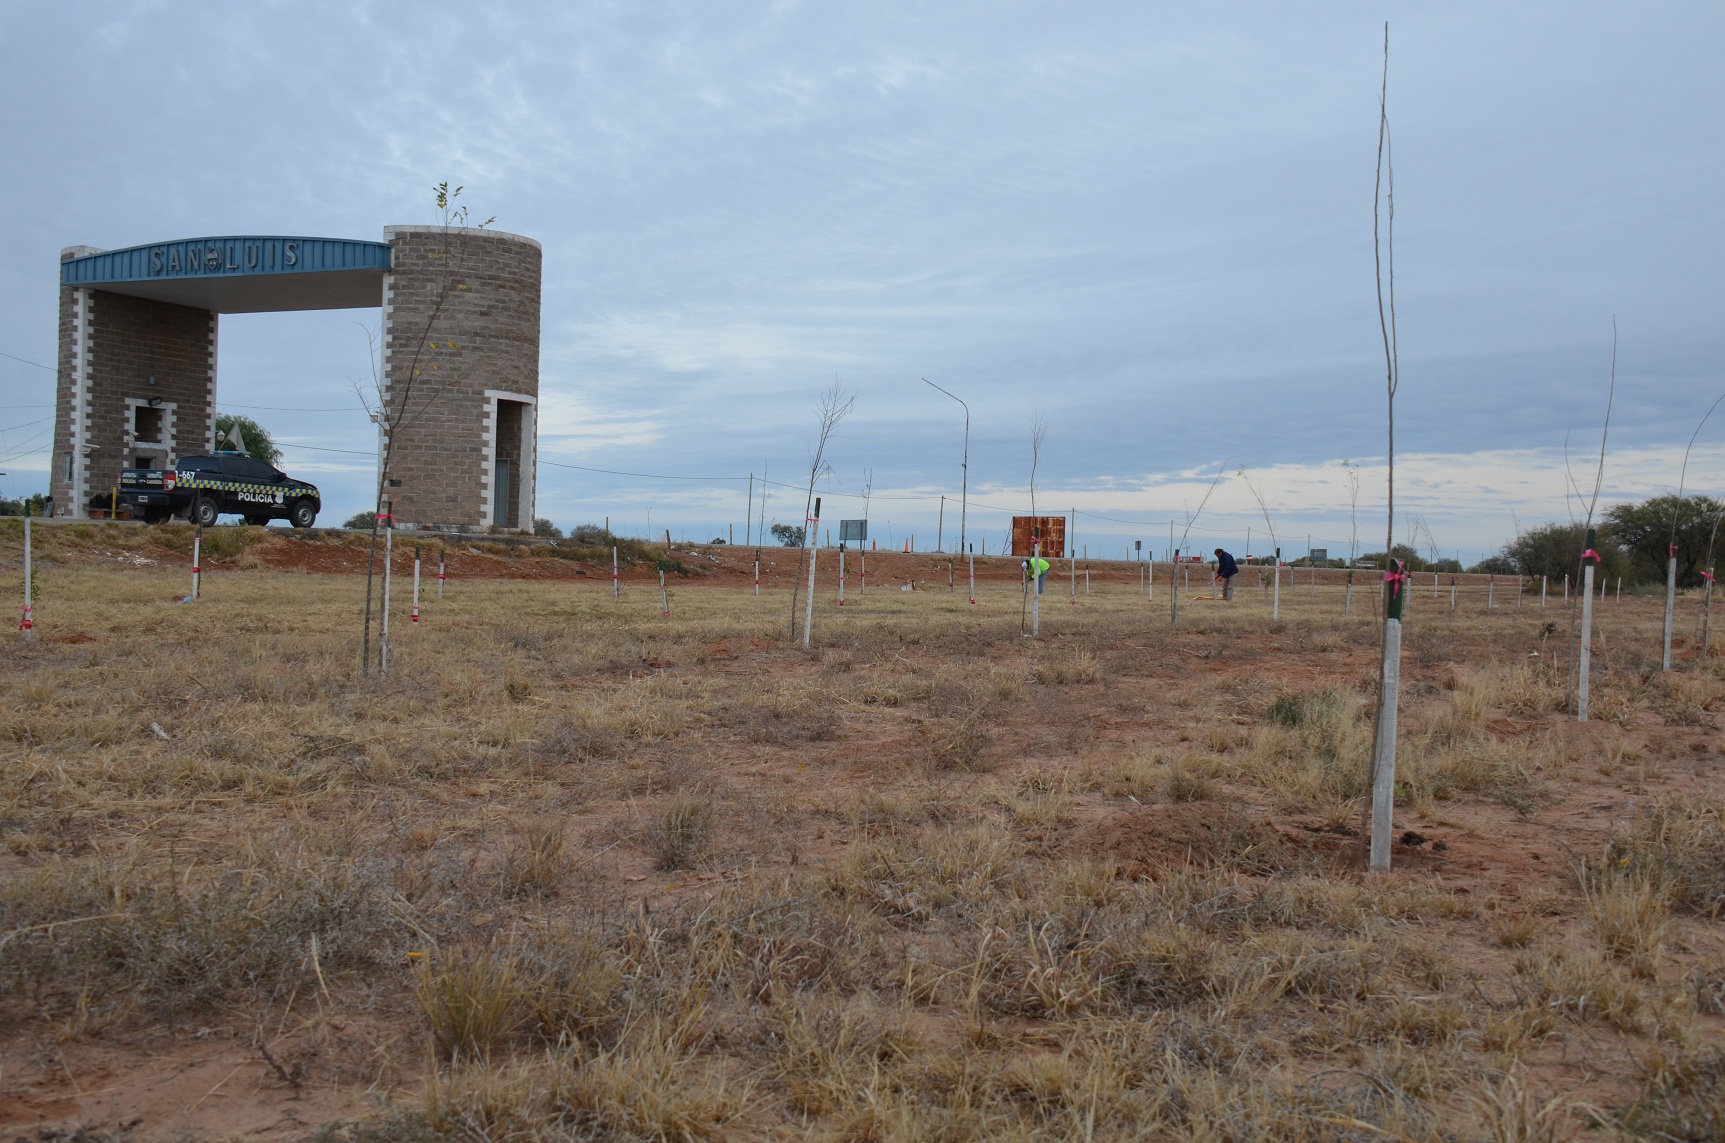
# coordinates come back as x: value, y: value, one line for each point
x: 467, y: 303
x: 128, y: 340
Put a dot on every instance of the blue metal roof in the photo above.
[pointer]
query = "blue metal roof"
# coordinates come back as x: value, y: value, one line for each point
x: 241, y: 273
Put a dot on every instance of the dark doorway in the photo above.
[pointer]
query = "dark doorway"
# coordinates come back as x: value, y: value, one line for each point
x: 506, y: 476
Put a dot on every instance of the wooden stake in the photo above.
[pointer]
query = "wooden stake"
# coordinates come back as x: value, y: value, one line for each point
x: 388, y: 569
x: 27, y: 624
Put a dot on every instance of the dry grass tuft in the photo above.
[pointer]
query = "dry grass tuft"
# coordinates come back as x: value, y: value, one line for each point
x: 1510, y: 1113
x: 681, y: 835
x: 1079, y: 667
x: 535, y: 862
x: 1629, y: 913
x: 1678, y: 845
x: 959, y: 743
x: 471, y: 1001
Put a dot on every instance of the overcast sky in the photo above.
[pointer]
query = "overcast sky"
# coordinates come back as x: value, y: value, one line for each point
x: 1149, y: 225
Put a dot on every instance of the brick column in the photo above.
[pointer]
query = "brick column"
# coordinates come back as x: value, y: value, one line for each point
x: 127, y: 366
x: 461, y: 374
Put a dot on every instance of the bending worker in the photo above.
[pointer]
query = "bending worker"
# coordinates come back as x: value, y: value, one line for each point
x: 1036, y: 568
x: 1226, y: 570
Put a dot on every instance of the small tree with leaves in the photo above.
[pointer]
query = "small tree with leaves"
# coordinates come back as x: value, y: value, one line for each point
x: 256, y: 439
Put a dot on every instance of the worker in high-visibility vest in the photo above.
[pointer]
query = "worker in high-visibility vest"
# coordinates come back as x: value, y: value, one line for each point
x: 1040, y: 574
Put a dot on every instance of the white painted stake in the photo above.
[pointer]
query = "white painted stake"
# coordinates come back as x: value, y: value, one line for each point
x: 1452, y: 593
x: 757, y: 577
x: 862, y: 585
x: 1670, y: 604
x: 1586, y: 637
x: 841, y: 575
x: 1566, y: 589
x: 1620, y: 589
x: 1072, y: 572
x: 971, y: 555
x: 1544, y: 582
x: 809, y: 612
x: 1276, y: 599
x: 1384, y: 757
x: 197, y: 553
x: 616, y: 584
x: 1518, y: 590
x: 1490, y: 591
x: 27, y: 624
x: 442, y: 569
x: 416, y: 585
x: 664, y: 600
x: 1035, y: 590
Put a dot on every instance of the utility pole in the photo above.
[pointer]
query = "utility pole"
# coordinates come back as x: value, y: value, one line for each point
x: 964, y: 468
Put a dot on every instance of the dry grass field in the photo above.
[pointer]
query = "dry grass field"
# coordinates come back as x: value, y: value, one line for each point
x: 575, y: 870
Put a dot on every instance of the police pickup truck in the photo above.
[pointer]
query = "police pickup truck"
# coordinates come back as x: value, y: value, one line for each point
x: 202, y: 488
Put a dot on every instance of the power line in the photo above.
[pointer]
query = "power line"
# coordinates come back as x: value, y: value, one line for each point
x: 315, y: 448
x: 25, y: 425
x: 279, y: 409
x: 641, y: 475
x: 27, y: 361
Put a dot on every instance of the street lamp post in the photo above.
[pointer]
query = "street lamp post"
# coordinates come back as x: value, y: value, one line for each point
x: 964, y: 488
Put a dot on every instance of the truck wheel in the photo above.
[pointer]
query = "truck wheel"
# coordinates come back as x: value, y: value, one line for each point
x: 258, y: 521
x: 203, y: 512
x: 303, y: 514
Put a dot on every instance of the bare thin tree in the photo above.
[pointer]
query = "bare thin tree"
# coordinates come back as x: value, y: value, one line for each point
x: 1389, y: 671
x: 835, y: 405
x: 1263, y: 508
x: 1571, y: 701
x: 1353, y: 533
x: 1038, y: 434
x: 1191, y: 519
x: 401, y: 401
x: 1676, y: 521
